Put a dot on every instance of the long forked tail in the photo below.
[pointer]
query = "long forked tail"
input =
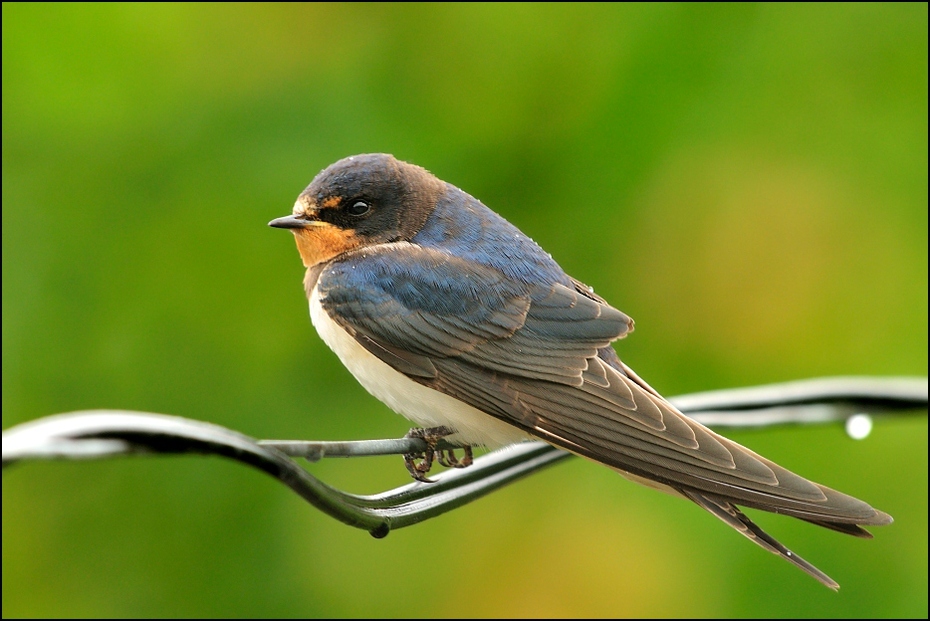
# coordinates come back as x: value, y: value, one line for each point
x: 731, y: 514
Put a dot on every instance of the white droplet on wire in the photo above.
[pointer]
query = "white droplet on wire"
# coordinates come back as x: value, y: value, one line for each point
x: 859, y: 426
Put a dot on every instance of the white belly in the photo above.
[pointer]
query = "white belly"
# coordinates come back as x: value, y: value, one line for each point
x: 424, y: 406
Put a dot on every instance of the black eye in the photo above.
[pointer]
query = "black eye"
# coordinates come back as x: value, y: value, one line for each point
x: 358, y: 208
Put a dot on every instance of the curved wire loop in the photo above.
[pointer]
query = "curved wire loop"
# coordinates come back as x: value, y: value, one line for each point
x: 97, y: 434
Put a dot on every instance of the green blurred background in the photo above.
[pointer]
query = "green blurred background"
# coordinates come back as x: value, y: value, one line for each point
x: 748, y: 182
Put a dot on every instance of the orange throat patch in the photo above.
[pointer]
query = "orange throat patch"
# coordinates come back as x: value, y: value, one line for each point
x: 322, y: 242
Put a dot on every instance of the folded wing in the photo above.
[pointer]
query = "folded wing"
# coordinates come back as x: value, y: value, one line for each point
x: 537, y: 356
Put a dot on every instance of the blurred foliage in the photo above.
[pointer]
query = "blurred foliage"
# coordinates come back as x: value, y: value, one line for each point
x: 748, y: 181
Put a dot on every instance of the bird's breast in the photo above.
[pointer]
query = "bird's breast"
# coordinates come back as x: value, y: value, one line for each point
x: 421, y: 404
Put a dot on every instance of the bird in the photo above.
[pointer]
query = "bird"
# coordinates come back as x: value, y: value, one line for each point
x: 457, y: 320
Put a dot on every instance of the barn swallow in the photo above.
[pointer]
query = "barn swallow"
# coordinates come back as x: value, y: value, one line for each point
x: 455, y: 319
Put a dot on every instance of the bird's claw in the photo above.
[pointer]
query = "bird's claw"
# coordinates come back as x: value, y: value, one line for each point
x: 448, y: 459
x: 419, y: 464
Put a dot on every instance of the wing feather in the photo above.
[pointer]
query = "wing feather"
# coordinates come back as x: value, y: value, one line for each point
x: 538, y: 356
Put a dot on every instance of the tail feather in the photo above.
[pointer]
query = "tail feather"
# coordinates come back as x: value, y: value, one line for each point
x: 731, y: 515
x: 847, y: 529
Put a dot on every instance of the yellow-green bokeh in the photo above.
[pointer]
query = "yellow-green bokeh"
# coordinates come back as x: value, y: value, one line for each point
x: 749, y: 182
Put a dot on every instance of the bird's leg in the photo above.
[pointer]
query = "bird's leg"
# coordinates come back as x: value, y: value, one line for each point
x: 432, y: 436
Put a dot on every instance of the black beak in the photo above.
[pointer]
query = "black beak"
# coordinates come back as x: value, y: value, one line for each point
x: 289, y: 222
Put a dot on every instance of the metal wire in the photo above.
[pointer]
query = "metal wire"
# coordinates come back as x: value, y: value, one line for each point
x: 98, y: 434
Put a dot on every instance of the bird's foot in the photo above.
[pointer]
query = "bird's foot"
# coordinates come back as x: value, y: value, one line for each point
x: 419, y: 464
x: 448, y: 459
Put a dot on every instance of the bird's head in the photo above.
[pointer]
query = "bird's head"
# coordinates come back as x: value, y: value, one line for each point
x: 360, y: 201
